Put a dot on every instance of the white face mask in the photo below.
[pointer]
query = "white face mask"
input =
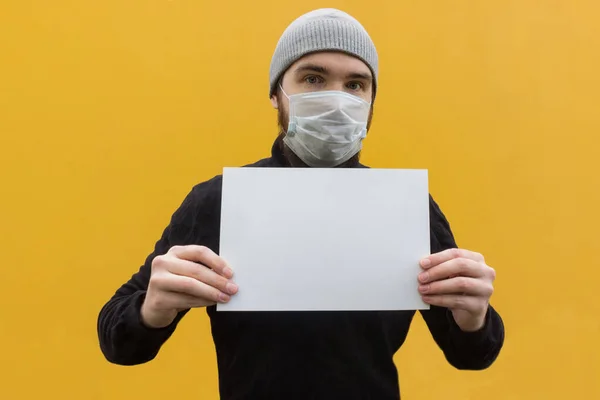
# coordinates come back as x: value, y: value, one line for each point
x: 326, y: 128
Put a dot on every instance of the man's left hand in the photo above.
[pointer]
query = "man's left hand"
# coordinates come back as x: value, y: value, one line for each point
x: 461, y: 281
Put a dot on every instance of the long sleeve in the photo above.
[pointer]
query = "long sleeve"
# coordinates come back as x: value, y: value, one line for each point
x: 123, y: 338
x: 463, y: 350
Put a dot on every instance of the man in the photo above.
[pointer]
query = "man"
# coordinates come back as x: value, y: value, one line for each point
x: 323, y: 81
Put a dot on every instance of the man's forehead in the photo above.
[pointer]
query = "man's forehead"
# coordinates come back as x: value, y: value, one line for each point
x: 331, y: 62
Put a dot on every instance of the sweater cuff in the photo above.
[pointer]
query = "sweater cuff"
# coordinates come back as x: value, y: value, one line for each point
x: 136, y: 328
x: 471, y: 338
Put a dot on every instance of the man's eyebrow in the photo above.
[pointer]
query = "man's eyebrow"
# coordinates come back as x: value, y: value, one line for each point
x: 312, y: 68
x: 322, y: 70
x: 360, y: 75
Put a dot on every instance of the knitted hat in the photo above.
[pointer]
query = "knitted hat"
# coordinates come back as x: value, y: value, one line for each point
x: 322, y: 30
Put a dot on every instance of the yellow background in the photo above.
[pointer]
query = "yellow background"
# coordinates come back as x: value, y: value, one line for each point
x: 111, y: 111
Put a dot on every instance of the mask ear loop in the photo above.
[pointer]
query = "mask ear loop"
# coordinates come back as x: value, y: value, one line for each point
x: 291, y: 130
x: 283, y: 91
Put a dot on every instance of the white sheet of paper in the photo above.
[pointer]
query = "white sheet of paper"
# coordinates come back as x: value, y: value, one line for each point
x: 301, y: 239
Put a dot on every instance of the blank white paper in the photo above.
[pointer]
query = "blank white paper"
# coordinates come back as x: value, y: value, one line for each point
x: 301, y: 239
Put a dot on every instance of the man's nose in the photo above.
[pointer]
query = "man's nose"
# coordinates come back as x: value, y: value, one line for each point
x: 337, y: 85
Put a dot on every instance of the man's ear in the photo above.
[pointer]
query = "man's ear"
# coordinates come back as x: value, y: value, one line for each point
x: 274, y: 102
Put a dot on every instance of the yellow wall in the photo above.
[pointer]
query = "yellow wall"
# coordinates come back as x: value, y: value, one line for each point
x: 110, y: 111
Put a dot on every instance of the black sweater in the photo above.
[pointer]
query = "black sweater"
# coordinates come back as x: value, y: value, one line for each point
x: 290, y: 355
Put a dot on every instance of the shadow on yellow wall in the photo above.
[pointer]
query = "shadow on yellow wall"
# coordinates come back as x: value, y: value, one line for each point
x: 110, y: 112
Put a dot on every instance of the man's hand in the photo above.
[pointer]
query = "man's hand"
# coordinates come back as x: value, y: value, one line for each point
x: 185, y: 277
x: 461, y: 281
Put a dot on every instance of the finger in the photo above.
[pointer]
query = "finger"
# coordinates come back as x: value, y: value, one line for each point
x: 455, y: 302
x: 447, y: 255
x: 459, y: 285
x: 452, y: 268
x: 203, y: 274
x: 203, y: 255
x: 192, y: 287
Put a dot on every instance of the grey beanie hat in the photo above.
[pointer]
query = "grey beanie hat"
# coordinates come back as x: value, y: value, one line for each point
x: 321, y: 30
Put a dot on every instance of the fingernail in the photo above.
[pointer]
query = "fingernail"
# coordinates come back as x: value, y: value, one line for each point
x: 223, y: 298
x: 231, y: 287
x: 424, y: 276
x: 228, y: 272
x: 426, y: 262
x: 424, y: 288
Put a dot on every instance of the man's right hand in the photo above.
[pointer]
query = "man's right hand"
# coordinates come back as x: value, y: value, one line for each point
x: 185, y: 277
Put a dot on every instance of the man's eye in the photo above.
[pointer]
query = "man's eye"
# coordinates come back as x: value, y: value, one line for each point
x: 354, y: 85
x: 312, y: 79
